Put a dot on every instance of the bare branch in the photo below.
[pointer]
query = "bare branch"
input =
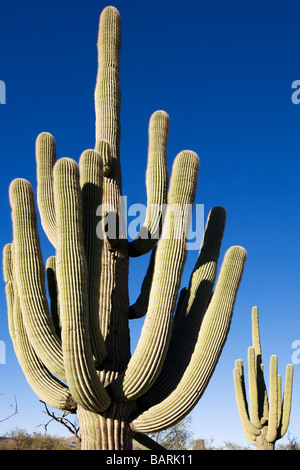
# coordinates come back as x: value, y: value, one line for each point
x: 62, y: 419
x: 13, y: 414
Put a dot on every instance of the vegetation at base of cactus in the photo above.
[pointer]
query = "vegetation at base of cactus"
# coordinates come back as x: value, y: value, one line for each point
x: 267, y: 419
x: 75, y: 348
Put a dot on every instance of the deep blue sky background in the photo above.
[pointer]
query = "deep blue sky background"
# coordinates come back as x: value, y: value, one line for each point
x: 223, y: 71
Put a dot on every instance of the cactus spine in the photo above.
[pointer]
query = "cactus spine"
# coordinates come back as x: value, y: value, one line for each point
x: 268, y: 417
x: 75, y: 350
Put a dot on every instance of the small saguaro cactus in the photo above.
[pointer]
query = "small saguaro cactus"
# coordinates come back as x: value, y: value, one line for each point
x: 75, y: 349
x: 269, y: 417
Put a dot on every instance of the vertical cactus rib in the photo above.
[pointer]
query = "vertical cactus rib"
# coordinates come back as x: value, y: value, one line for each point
x: 30, y: 278
x: 9, y: 286
x: 190, y: 310
x: 91, y: 176
x: 111, y: 426
x: 211, y: 339
x: 45, y: 159
x: 72, y: 276
x: 156, y: 183
x: 147, y: 360
x: 7, y: 263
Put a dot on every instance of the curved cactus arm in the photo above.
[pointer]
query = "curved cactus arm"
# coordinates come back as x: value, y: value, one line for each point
x: 45, y: 150
x: 273, y: 400
x: 156, y: 183
x: 204, y: 274
x: 287, y: 402
x: 53, y: 293
x: 211, y: 339
x: 91, y: 176
x: 72, y: 276
x: 145, y: 442
x: 30, y: 278
x: 249, y: 429
x: 44, y: 384
x: 190, y: 310
x: 253, y: 390
x: 140, y: 307
x: 147, y: 360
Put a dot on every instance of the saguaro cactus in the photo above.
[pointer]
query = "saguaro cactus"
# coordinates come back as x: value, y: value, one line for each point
x: 268, y: 419
x: 75, y: 350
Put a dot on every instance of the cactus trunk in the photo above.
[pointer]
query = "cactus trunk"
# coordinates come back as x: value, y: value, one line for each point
x: 106, y: 431
x: 75, y: 349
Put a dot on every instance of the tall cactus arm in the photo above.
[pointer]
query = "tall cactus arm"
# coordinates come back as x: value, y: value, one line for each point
x: 114, y: 298
x: 91, y: 176
x: 262, y: 395
x: 147, y: 360
x: 273, y: 400
x: 81, y: 374
x: 156, y: 183
x: 45, y: 150
x: 249, y: 429
x: 211, y: 339
x: 190, y: 310
x: 107, y: 91
x: 44, y: 384
x: 30, y: 278
x: 287, y: 401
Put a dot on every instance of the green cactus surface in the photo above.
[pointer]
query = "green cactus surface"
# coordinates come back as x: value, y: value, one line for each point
x: 69, y: 318
x: 267, y: 418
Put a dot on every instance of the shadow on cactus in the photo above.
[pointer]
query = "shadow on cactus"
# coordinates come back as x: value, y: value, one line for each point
x: 75, y: 350
x: 269, y: 417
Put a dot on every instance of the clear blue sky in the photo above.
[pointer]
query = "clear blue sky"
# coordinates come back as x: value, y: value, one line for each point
x: 223, y: 72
